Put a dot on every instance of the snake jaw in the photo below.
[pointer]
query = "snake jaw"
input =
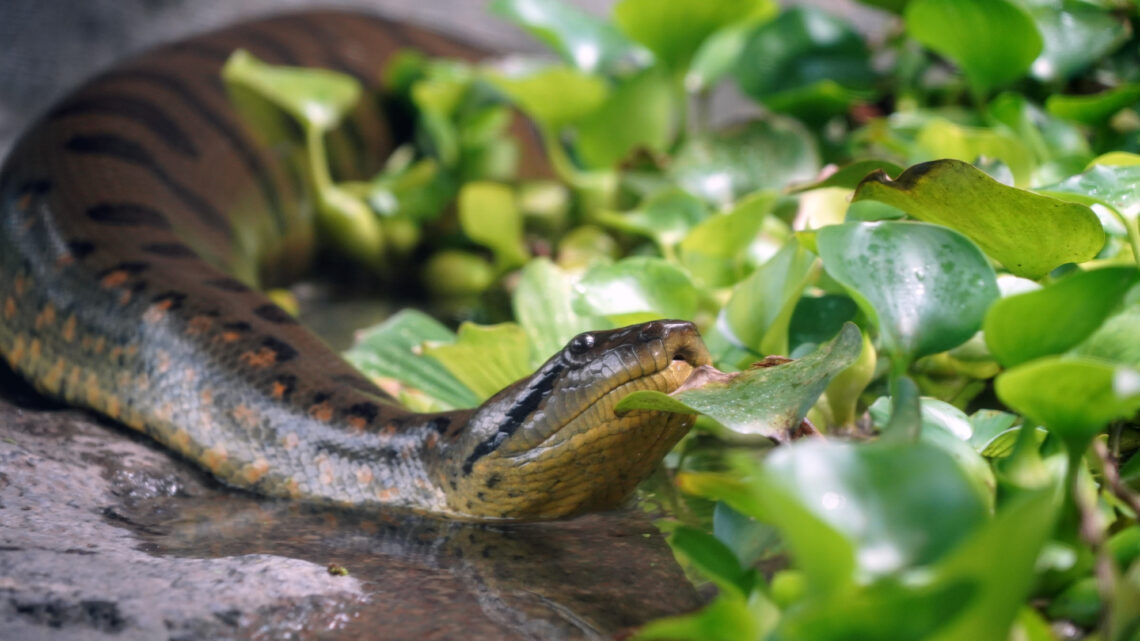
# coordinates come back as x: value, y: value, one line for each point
x: 551, y: 445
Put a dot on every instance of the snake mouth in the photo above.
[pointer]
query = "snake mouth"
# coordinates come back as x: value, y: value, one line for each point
x: 661, y: 364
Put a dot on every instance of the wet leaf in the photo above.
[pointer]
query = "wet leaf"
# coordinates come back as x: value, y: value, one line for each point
x: 589, y: 43
x: 1116, y: 341
x: 638, y: 115
x: 713, y: 558
x: 927, y: 287
x: 392, y: 350
x: 1111, y: 185
x: 1075, y: 34
x: 767, y: 401
x: 554, y: 96
x: 1075, y: 398
x: 485, y: 358
x: 543, y: 306
x: 993, y: 41
x: 766, y: 154
x: 317, y: 98
x: 845, y: 513
x: 761, y: 307
x: 819, y: 318
x: 849, y: 176
x: 665, y: 217
x: 1093, y: 109
x: 489, y: 216
x: 1028, y: 233
x: 713, y: 251
x: 674, y: 29
x: 806, y: 62
x: 635, y: 290
x: 1054, y: 319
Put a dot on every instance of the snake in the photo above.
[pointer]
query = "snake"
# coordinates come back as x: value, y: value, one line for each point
x: 140, y: 222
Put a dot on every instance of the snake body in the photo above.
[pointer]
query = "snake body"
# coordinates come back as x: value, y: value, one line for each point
x: 137, y: 218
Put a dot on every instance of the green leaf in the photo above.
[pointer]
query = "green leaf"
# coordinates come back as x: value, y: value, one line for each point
x: 860, y: 511
x: 553, y: 96
x: 766, y: 401
x: 318, y: 98
x: 1075, y: 35
x: 666, y: 217
x: 1093, y: 109
x: 589, y: 43
x: 714, y: 250
x: 1079, y: 603
x: 639, y: 114
x: 761, y: 307
x: 805, y: 62
x: 988, y: 426
x: 713, y: 559
x: 1075, y: 398
x: 849, y: 176
x: 542, y: 303
x: 818, y: 318
x: 1028, y: 233
x: 489, y: 216
x: 1054, y: 319
x: 718, y: 56
x: 942, y: 138
x: 993, y: 41
x: 674, y: 29
x: 927, y: 287
x: 392, y: 350
x: 1116, y: 340
x: 760, y: 155
x: 485, y: 358
x: 635, y: 290
x: 725, y: 619
x: 1111, y: 185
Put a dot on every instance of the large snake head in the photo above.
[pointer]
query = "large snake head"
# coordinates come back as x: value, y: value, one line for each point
x: 551, y: 445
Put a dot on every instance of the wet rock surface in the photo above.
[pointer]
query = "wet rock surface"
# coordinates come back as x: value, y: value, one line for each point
x: 105, y: 536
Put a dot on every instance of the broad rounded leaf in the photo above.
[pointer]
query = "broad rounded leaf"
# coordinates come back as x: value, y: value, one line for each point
x: 391, y: 350
x: 1112, y: 185
x: 849, y: 176
x: 317, y: 98
x: 554, y: 96
x: 1075, y: 398
x: 589, y: 43
x: 1075, y: 35
x: 486, y: 358
x: 1116, y: 341
x: 489, y: 216
x: 674, y: 29
x: 928, y: 287
x: 728, y: 164
x: 1028, y: 233
x: 765, y: 401
x: 636, y: 289
x: 639, y: 114
x: 1051, y: 320
x: 993, y: 41
x: 1095, y: 108
x: 542, y: 303
x: 666, y: 217
x: 714, y: 251
x: 805, y: 62
x: 761, y: 307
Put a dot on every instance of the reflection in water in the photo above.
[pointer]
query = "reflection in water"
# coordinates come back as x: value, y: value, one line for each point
x: 587, y: 578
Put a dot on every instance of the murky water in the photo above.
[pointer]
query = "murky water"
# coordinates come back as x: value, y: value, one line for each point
x: 589, y: 578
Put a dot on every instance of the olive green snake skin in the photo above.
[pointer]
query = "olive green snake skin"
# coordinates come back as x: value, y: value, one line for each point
x: 136, y: 215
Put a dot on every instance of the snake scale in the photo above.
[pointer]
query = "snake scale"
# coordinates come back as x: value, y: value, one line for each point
x: 137, y: 219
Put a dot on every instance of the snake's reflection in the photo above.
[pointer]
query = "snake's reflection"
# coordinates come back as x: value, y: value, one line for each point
x: 592, y: 577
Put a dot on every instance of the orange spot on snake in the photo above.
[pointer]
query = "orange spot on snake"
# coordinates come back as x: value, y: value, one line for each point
x: 35, y: 350
x: 115, y: 278
x: 198, y: 325
x: 214, y: 457
x: 230, y: 337
x: 100, y: 344
x: 161, y: 360
x: 278, y: 390
x: 55, y: 376
x: 116, y: 353
x: 206, y: 397
x: 46, y: 316
x: 363, y: 475
x: 142, y: 382
x: 263, y: 357
x: 73, y: 380
x: 181, y: 440
x: 125, y: 297
x: 17, y: 353
x: 68, y: 332
x: 64, y: 260
x: 290, y: 441
x: 293, y: 487
x: 20, y: 284
x: 91, y: 389
x: 157, y: 311
x: 357, y: 423
x: 113, y: 406
x: 9, y: 308
x: 131, y: 350
x: 386, y: 494
x: 246, y: 416
x: 190, y: 374
x: 254, y: 471
x: 321, y: 411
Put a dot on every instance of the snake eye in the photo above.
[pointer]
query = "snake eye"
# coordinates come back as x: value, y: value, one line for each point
x: 581, y: 344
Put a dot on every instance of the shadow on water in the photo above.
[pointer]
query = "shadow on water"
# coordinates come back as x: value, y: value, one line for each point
x: 589, y: 578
